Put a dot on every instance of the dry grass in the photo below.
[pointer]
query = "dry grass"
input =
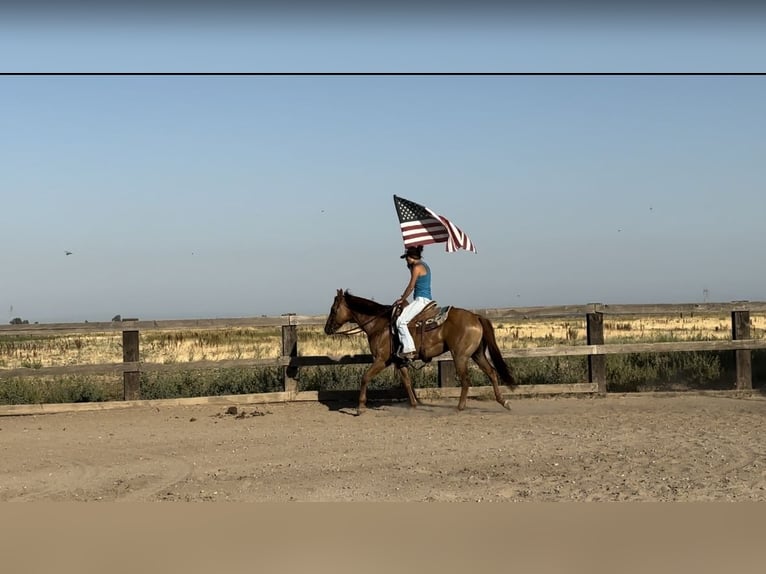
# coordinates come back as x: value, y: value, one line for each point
x: 619, y: 329
x: 626, y: 373
x: 265, y: 342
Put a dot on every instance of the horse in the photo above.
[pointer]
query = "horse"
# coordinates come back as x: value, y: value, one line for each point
x: 463, y: 333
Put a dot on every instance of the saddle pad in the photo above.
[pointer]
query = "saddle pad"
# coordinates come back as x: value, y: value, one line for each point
x: 438, y: 319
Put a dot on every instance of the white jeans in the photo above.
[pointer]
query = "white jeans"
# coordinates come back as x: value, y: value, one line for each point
x: 408, y: 313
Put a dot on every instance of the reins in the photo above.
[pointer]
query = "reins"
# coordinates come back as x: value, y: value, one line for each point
x: 353, y: 331
x: 360, y: 326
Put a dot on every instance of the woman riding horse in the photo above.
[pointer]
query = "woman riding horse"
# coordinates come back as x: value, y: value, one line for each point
x: 420, y: 285
x: 464, y: 333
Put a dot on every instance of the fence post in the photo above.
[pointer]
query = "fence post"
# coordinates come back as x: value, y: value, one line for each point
x: 740, y: 329
x: 447, y: 375
x: 596, y: 363
x: 290, y: 349
x: 131, y: 380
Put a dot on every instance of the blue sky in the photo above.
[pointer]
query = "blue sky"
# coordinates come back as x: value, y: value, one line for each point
x: 195, y: 196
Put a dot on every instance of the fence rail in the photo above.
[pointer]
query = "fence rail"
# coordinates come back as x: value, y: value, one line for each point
x: 289, y: 361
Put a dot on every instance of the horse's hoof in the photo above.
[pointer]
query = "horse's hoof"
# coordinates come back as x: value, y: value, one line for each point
x: 360, y: 411
x: 507, y: 404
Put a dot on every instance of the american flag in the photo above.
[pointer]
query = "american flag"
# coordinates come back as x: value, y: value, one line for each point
x: 421, y: 226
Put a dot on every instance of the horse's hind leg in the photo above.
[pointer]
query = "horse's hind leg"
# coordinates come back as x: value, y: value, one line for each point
x: 481, y: 359
x: 461, y: 369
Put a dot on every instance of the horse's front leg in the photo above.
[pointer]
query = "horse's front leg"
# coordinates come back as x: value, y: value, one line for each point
x: 369, y: 374
x: 404, y: 373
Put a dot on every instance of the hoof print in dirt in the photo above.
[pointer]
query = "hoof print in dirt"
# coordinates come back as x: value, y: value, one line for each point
x: 243, y: 414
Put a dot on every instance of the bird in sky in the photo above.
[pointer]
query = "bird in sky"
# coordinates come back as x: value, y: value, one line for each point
x: 67, y: 252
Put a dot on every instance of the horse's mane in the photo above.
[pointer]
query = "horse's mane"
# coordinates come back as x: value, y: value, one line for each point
x: 365, y: 306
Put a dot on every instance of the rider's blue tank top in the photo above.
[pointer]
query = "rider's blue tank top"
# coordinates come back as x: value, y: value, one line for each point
x: 423, y: 283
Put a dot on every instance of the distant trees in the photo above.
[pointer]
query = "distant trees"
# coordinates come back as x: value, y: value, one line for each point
x: 20, y: 321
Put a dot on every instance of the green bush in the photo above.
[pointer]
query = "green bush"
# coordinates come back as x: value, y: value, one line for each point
x: 72, y: 389
x: 625, y: 373
x: 19, y: 392
x: 214, y: 382
x: 660, y: 371
x: 549, y: 370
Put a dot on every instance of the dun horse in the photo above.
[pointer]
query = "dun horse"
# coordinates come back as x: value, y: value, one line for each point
x: 464, y: 333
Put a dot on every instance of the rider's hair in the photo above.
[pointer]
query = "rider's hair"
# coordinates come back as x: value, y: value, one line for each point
x: 414, y: 251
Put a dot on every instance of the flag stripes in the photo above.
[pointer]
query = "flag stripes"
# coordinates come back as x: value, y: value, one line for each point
x: 421, y: 226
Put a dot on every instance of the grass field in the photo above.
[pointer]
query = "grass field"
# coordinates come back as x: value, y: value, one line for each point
x: 624, y: 372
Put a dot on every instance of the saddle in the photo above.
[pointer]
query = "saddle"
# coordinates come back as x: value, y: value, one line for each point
x: 431, y: 317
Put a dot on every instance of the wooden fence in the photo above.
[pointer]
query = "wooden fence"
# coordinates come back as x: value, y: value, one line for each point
x: 290, y: 362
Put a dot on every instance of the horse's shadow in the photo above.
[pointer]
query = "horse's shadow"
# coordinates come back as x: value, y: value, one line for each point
x: 343, y: 405
x: 346, y: 402
x: 393, y: 401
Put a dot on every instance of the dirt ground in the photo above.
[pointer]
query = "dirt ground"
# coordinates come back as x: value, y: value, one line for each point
x: 642, y: 448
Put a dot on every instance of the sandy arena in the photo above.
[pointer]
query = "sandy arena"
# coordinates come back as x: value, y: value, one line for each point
x: 685, y: 447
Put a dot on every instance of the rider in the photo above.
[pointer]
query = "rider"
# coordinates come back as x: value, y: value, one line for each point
x: 420, y: 283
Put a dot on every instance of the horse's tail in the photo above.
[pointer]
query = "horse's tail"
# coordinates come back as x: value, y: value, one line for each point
x: 488, y: 338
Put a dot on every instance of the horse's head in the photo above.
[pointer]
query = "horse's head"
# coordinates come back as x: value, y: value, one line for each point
x: 339, y: 315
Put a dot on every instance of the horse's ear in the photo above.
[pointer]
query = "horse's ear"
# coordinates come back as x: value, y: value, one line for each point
x: 340, y: 292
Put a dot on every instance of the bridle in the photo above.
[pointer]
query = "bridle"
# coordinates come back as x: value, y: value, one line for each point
x: 359, y: 325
